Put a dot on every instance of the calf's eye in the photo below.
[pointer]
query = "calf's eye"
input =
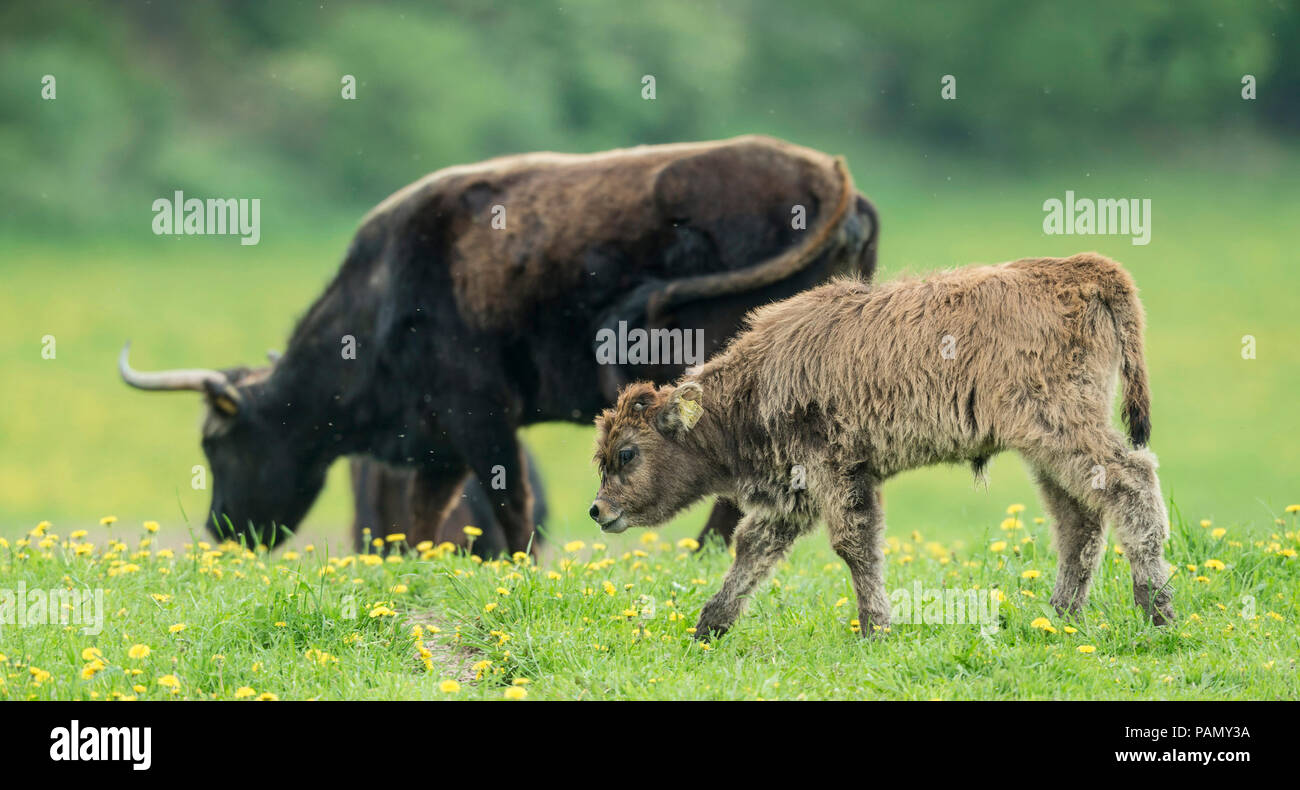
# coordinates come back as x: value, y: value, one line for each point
x: 626, y: 455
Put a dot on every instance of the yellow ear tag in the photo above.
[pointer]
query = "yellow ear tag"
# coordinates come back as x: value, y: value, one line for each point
x: 689, y: 411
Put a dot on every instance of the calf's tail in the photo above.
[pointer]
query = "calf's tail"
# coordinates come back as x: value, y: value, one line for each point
x: 1119, y: 294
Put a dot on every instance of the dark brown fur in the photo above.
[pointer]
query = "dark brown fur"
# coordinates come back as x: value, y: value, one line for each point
x: 855, y: 384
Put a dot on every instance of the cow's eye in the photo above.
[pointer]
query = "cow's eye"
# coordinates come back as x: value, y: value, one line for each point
x: 626, y: 455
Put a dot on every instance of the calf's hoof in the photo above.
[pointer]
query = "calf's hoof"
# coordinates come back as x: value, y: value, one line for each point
x: 707, y: 632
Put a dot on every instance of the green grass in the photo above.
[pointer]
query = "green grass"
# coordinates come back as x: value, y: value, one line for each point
x: 77, y: 445
x: 599, y: 622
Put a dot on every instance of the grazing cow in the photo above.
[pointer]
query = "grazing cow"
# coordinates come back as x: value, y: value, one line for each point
x: 383, y: 504
x: 833, y: 391
x: 480, y: 299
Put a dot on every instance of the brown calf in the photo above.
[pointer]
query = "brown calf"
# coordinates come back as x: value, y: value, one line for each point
x: 831, y: 392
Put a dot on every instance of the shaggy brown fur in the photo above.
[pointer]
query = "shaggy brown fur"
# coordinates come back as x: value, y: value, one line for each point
x: 855, y: 384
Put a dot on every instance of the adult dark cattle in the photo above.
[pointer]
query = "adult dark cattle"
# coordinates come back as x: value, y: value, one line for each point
x: 470, y: 303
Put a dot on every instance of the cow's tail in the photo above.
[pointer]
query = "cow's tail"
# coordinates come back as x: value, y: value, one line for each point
x: 769, y: 271
x: 1119, y: 294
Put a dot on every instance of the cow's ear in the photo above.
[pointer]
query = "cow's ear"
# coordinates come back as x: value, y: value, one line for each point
x: 682, y: 410
x: 223, y: 397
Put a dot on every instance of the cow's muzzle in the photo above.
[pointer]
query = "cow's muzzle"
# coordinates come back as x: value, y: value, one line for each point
x: 610, y: 519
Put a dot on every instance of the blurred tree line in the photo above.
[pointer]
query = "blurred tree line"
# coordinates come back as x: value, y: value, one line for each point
x: 244, y: 99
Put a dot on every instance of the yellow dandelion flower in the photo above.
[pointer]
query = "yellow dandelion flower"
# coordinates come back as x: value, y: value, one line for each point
x: 1205, y: 523
x: 151, y: 526
x: 138, y: 651
x: 176, y: 629
x: 169, y: 681
x: 1293, y: 508
x: 90, y: 654
x: 1041, y: 622
x: 1215, y: 565
x: 449, y: 687
x: 998, y: 545
x: 267, y: 696
x: 1218, y: 532
x: 108, y: 521
x: 243, y: 692
x: 515, y: 692
x: 1030, y: 574
x: 1014, y: 509
x: 490, y: 606
x: 690, y: 544
x: 1086, y: 649
x: 609, y: 588
x: 473, y: 532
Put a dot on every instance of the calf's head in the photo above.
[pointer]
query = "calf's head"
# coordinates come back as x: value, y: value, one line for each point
x: 649, y: 468
x: 263, y: 481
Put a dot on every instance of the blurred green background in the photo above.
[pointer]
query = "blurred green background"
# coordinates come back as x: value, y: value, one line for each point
x: 1107, y: 99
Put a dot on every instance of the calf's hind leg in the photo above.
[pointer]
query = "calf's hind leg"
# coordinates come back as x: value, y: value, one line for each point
x: 1103, y: 473
x: 1080, y: 541
x: 761, y: 542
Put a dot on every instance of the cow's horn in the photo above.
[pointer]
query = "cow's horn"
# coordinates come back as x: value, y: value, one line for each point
x: 181, y: 379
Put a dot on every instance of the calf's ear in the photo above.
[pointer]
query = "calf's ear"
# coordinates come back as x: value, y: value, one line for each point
x: 681, y: 411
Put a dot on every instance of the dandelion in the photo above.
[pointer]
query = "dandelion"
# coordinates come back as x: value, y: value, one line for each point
x: 1293, y: 508
x: 520, y: 682
x: 1218, y: 532
x: 1215, y: 565
x: 267, y: 696
x: 998, y: 546
x: 1014, y: 509
x: 1030, y: 574
x: 169, y: 681
x: 1086, y: 649
x: 609, y: 588
x: 473, y: 532
x: 1205, y: 523
x: 382, y: 611
x: 449, y: 687
x: 151, y: 526
x: 108, y: 521
x: 395, y: 537
x: 89, y: 654
x: 690, y: 544
x: 244, y: 692
x: 176, y: 629
x: 138, y: 652
x: 574, y: 545
x: 490, y: 606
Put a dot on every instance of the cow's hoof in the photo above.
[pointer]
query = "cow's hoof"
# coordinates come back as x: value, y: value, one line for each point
x: 707, y: 632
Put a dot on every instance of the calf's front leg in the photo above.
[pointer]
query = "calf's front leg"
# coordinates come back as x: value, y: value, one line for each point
x: 761, y: 542
x: 856, y: 535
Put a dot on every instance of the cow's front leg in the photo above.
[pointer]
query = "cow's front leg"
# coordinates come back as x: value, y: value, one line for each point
x: 856, y: 535
x: 761, y: 542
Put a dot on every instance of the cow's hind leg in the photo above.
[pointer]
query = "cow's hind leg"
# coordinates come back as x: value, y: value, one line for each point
x: 1103, y: 473
x: 761, y: 542
x: 857, y: 533
x: 1080, y: 540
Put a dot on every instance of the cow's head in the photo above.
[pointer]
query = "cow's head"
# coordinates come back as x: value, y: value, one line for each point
x: 648, y: 469
x: 263, y: 480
